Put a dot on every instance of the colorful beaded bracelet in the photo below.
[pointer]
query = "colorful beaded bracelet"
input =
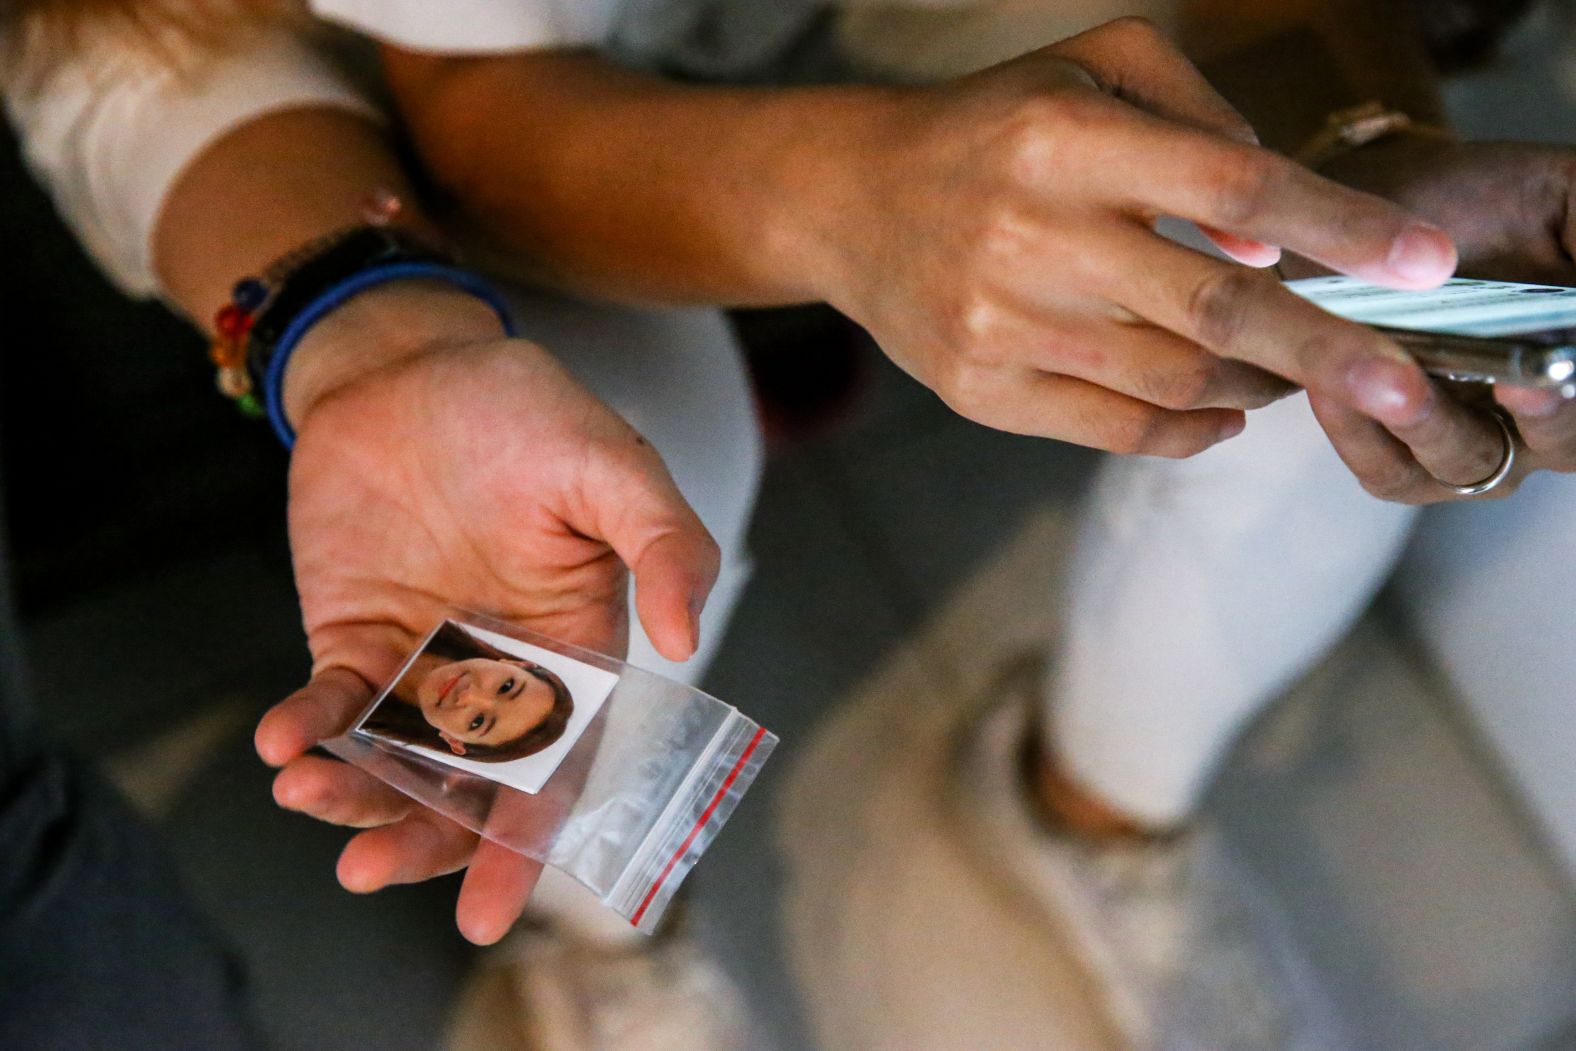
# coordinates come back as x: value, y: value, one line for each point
x: 232, y: 325
x: 268, y: 314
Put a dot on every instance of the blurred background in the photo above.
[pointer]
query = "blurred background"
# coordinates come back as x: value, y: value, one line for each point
x: 153, y: 576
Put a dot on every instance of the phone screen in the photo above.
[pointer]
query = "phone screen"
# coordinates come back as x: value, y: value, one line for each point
x: 1461, y: 306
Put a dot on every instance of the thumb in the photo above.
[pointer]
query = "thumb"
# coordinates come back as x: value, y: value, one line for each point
x: 673, y: 578
x: 321, y: 709
x: 651, y: 527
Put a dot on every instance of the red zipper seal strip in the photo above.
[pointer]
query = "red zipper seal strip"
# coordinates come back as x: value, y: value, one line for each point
x: 700, y: 822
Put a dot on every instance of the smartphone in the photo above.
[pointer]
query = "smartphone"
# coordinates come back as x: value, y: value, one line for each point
x: 1478, y: 331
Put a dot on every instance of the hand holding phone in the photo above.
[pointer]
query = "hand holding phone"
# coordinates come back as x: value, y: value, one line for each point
x: 1470, y: 330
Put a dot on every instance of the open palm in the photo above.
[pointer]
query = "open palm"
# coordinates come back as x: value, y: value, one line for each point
x: 480, y: 476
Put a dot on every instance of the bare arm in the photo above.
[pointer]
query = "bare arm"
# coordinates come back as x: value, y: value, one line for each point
x: 630, y: 186
x: 438, y: 464
x: 619, y: 184
x: 275, y: 184
x: 992, y: 232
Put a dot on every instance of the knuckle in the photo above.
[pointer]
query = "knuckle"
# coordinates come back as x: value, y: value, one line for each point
x: 1243, y: 187
x: 1131, y: 433
x: 961, y: 386
x: 1564, y: 174
x: 640, y: 467
x: 1135, y: 28
x: 1028, y: 147
x: 1039, y: 124
x: 1320, y: 356
x: 1382, y: 491
x: 1476, y: 459
x: 641, y: 453
x: 1396, y: 485
x: 1553, y: 447
x: 1188, y: 386
x: 1485, y: 460
x: 974, y: 332
x: 1217, y: 305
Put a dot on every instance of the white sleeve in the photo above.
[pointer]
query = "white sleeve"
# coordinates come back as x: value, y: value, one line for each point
x: 109, y: 130
x: 475, y: 26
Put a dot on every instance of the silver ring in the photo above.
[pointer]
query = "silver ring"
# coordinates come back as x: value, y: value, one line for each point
x: 1501, y: 472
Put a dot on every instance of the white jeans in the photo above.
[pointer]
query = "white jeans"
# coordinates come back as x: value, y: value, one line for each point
x: 1199, y: 589
x: 1491, y: 589
x: 677, y: 377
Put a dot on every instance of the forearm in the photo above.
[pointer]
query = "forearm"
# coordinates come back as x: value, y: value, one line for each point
x: 279, y: 182
x: 608, y: 182
x: 1287, y: 65
x: 267, y: 187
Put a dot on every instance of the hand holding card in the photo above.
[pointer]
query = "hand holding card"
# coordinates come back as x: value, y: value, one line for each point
x: 477, y: 474
x: 614, y: 775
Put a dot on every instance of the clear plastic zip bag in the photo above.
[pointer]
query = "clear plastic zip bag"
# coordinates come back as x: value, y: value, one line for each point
x: 614, y: 775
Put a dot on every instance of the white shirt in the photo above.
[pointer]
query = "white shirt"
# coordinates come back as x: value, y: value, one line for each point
x: 110, y: 130
x: 476, y: 26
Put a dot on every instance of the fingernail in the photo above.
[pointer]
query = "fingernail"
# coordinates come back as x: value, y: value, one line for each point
x: 1387, y: 391
x: 1232, y: 427
x: 1259, y: 254
x: 1421, y: 254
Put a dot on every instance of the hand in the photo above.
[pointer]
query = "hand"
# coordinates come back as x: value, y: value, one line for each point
x: 469, y: 470
x: 1511, y: 209
x: 995, y: 236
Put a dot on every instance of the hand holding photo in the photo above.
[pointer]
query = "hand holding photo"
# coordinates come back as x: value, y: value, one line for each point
x: 614, y: 775
x: 489, y: 704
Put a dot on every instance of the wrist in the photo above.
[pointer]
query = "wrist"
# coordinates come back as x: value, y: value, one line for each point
x: 1393, y: 167
x: 831, y: 172
x: 378, y: 328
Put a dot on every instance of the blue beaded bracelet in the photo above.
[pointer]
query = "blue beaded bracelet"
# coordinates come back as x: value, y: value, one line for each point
x: 335, y: 295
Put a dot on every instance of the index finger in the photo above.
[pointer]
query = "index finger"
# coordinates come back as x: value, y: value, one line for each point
x: 321, y: 709
x: 1254, y: 193
x: 1133, y: 60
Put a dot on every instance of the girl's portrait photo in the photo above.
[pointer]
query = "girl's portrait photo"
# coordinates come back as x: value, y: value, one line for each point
x: 487, y: 703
